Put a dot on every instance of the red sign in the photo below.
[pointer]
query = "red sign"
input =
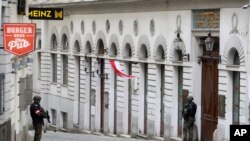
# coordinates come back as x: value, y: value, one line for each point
x: 19, y: 38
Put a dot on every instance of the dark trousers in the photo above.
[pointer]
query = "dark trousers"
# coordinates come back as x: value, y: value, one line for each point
x: 38, y: 131
x: 188, y: 129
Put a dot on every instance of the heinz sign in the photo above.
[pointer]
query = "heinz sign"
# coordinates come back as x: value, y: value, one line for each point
x: 19, y: 39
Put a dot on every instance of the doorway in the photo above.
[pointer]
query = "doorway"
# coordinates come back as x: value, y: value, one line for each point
x: 162, y: 100
x: 101, y: 62
x: 115, y: 103
x: 180, y: 99
x: 209, y: 92
x: 77, y: 97
x: 129, y: 97
x: 236, y: 98
x: 145, y: 66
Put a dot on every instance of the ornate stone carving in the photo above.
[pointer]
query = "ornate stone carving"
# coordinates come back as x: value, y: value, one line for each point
x: 107, y: 26
x: 234, y: 24
x: 82, y: 27
x: 152, y: 27
x: 93, y: 27
x: 178, y: 24
x: 136, y: 27
x: 120, y: 27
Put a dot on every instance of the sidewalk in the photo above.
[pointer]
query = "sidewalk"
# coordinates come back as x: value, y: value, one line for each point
x: 62, y: 136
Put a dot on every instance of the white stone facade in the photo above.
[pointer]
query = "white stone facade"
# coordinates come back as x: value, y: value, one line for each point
x: 14, y: 120
x: 87, y: 25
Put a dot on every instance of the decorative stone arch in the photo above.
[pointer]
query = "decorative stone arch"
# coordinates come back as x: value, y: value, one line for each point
x: 173, y: 53
x: 100, y: 36
x: 65, y: 31
x: 113, y: 41
x: 160, y: 44
x: 233, y: 44
x: 128, y: 41
x: 143, y: 41
x: 88, y: 40
x: 76, y: 38
x: 54, y: 32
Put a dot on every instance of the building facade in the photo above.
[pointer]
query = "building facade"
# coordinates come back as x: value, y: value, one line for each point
x: 15, y: 75
x: 162, y: 43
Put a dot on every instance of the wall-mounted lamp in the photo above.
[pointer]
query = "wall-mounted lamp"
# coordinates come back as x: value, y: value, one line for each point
x: 98, y: 60
x: 85, y: 65
x: 97, y: 67
x: 209, y: 42
x: 98, y: 70
x: 178, y: 43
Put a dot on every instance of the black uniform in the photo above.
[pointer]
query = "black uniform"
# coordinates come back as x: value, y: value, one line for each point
x: 37, y: 114
x: 189, y: 110
x: 189, y: 118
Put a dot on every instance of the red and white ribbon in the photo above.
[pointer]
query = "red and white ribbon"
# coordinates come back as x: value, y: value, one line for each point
x: 117, y: 68
x: 37, y: 112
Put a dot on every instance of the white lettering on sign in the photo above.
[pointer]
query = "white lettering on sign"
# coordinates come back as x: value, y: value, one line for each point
x: 18, y: 43
x: 24, y: 30
x: 240, y: 132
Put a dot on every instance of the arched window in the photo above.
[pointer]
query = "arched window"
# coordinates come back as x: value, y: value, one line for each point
x: 143, y: 52
x: 113, y: 50
x: 127, y: 50
x: 53, y: 42
x: 65, y: 43
x: 236, y: 59
x: 77, y: 47
x: 88, y: 47
x: 160, y: 53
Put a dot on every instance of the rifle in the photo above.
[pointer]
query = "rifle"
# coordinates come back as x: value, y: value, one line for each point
x: 47, y: 116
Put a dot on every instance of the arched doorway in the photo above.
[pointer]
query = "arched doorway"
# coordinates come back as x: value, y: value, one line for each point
x: 143, y: 55
x: 91, y: 95
x: 77, y: 59
x: 236, y: 87
x: 113, y: 53
x: 128, y: 68
x: 160, y: 56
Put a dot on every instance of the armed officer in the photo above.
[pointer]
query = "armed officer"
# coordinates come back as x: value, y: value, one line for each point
x: 188, y: 114
x: 37, y: 114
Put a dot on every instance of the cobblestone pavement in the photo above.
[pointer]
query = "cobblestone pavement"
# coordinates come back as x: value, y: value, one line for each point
x: 60, y: 136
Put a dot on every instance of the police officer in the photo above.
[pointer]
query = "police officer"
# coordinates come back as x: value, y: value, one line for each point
x: 188, y: 114
x: 37, y: 114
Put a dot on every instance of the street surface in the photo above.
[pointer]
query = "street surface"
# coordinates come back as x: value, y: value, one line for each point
x: 60, y: 136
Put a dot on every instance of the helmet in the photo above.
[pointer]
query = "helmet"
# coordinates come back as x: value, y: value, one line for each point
x: 190, y: 98
x: 37, y: 97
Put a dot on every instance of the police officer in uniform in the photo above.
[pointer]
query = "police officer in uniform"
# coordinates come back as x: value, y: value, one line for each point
x: 37, y: 114
x: 188, y: 114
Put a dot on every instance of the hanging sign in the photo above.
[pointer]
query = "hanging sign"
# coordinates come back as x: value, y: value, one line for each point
x: 19, y: 38
x: 46, y: 13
